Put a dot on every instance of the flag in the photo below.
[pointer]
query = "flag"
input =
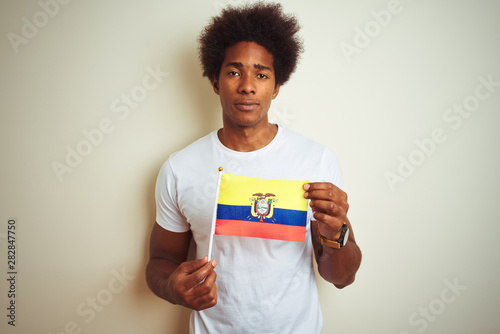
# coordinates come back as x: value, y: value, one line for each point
x: 261, y: 208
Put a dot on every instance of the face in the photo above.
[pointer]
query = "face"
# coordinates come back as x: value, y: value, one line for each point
x: 246, y: 85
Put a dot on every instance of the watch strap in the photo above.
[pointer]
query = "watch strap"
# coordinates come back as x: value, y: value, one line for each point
x: 331, y: 243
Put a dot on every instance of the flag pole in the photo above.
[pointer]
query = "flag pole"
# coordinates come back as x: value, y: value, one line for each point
x: 214, y: 217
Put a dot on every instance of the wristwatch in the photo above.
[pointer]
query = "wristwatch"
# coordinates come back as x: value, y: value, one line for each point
x: 344, y: 236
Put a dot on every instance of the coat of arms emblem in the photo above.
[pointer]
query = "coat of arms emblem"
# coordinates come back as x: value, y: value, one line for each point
x: 263, y: 206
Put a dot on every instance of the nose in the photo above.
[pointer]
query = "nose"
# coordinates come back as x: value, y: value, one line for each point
x: 247, y: 85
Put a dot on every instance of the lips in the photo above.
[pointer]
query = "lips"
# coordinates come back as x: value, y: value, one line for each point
x: 246, y: 105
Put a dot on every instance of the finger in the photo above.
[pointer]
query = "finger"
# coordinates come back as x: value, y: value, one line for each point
x: 320, y: 190
x: 331, y: 221
x: 199, y: 275
x: 205, y: 301
x: 190, y: 267
x: 328, y: 201
x: 322, y: 205
x: 330, y: 208
x: 326, y: 194
x: 207, y: 286
x: 205, y: 294
x: 318, y: 186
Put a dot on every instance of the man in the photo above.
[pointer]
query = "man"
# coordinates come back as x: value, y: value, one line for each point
x: 251, y: 285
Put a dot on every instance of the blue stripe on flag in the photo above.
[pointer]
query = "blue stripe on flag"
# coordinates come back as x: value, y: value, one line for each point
x: 280, y: 216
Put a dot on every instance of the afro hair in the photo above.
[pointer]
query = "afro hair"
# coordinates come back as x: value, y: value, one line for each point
x: 264, y: 24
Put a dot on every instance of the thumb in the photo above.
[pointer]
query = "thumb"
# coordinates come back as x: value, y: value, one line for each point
x: 190, y: 267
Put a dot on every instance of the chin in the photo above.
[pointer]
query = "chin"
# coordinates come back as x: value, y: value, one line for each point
x: 245, y: 122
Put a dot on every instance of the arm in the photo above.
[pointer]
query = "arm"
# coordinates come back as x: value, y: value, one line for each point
x: 329, y: 204
x: 169, y: 276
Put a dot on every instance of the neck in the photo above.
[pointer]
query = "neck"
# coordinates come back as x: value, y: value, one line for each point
x: 247, y: 139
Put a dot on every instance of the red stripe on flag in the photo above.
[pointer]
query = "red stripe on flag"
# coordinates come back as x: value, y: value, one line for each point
x: 260, y: 230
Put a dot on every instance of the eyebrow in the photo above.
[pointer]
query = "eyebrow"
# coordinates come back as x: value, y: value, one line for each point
x: 257, y: 66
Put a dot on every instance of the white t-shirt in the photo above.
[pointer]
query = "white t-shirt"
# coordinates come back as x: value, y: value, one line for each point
x: 263, y: 285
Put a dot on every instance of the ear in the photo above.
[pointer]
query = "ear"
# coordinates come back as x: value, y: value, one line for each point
x: 276, y: 90
x: 215, y: 85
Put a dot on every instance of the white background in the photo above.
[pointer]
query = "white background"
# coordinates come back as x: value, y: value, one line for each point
x: 434, y: 225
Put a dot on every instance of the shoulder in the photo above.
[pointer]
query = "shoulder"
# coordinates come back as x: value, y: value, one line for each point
x: 193, y: 160
x: 200, y: 145
x: 190, y: 156
x: 317, y: 158
x: 301, y: 142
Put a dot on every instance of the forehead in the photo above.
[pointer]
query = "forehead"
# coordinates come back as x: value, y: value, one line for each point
x: 248, y: 54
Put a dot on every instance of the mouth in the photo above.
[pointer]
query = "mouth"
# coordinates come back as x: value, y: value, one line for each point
x: 247, y: 105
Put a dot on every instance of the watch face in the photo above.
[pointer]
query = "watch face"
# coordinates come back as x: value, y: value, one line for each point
x: 346, y: 236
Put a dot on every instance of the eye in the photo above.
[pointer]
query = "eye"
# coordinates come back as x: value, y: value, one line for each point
x: 233, y: 74
x: 262, y: 76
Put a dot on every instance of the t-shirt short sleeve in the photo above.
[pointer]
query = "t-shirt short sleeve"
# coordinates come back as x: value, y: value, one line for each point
x: 336, y: 177
x: 332, y: 173
x: 168, y: 214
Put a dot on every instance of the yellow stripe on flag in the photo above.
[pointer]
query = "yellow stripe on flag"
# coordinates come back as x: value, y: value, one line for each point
x: 238, y: 190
